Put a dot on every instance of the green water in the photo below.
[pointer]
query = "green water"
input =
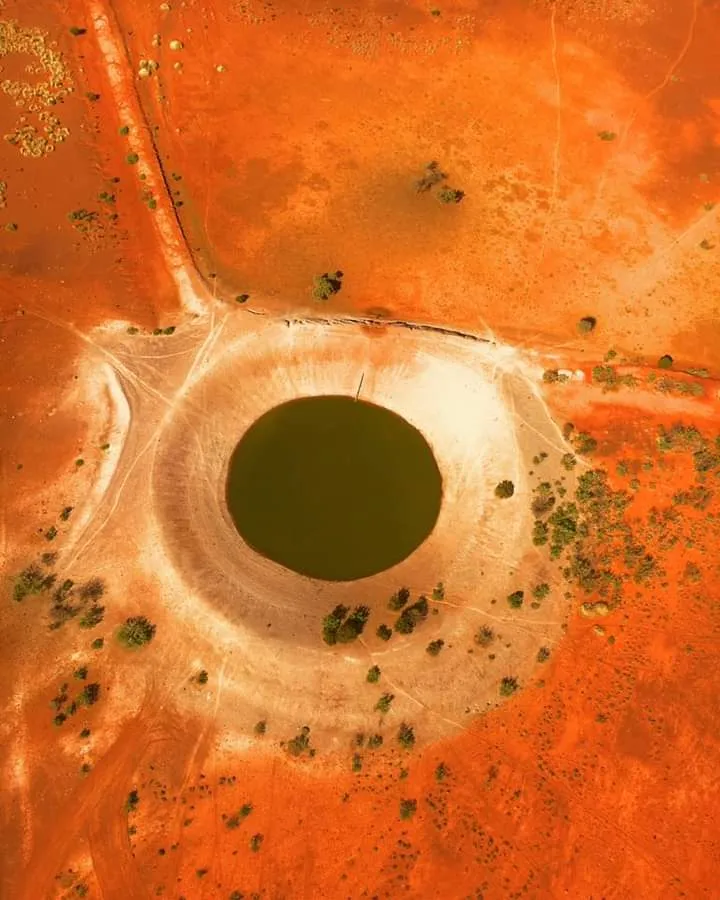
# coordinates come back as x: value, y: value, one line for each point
x: 333, y: 488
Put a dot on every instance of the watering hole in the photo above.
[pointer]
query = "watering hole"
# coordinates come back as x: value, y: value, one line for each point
x: 333, y: 488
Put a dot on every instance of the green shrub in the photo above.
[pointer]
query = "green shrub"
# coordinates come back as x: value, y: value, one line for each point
x: 327, y: 285
x: 202, y: 677
x: 540, y: 591
x: 516, y: 599
x: 375, y: 741
x: 356, y: 762
x: 484, y: 636
x: 137, y: 631
x: 508, y: 686
x: 89, y: 695
x: 441, y: 772
x: 384, y: 632
x: 434, y: 647
x: 235, y: 820
x: 300, y: 743
x: 450, y: 195
x: 412, y: 615
x: 384, y: 703
x: 131, y: 804
x: 98, y: 644
x: 256, y: 842
x: 31, y: 582
x: 543, y: 654
x: 438, y: 591
x: 406, y: 736
x: 132, y: 159
x: 504, y: 489
x: 398, y: 600
x: 260, y: 727
x: 587, y: 324
x: 373, y: 674
x: 92, y: 617
x: 77, y: 32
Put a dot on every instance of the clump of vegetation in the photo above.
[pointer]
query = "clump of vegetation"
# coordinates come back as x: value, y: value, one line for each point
x: 137, y: 631
x: 412, y: 616
x: 608, y: 377
x: 89, y: 695
x: 256, y: 842
x: 449, y: 195
x: 408, y: 808
x: 543, y: 654
x: 508, y: 686
x: 432, y: 175
x: 540, y: 533
x: 327, y: 285
x: 66, y: 512
x: 587, y: 324
x: 399, y: 599
x: 543, y: 500
x: 242, y: 298
x: 484, y: 636
x: 77, y: 32
x: 31, y: 582
x: 357, y: 762
x: 515, y: 600
x: 234, y: 821
x: 260, y: 727
x: 553, y: 376
x: 343, y: 626
x: 406, y: 736
x: 132, y: 159
x: 568, y: 461
x: 665, y: 362
x: 564, y: 524
x: 132, y: 802
x: 92, y: 617
x: 202, y: 677
x: 607, y: 135
x: 540, y: 591
x: 81, y: 674
x: 438, y: 592
x: 504, y: 489
x: 434, y: 647
x: 384, y: 703
x: 375, y: 741
x: 441, y: 772
x: 373, y: 674
x: 384, y: 632
x: 301, y: 743
x: 98, y: 643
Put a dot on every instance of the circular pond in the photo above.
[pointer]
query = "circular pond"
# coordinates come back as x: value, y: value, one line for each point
x: 333, y: 487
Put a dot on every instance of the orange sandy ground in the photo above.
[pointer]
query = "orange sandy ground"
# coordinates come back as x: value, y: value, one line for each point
x: 543, y: 799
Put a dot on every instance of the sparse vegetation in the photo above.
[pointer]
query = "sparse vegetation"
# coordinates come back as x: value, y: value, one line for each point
x: 31, y: 582
x: 408, y: 808
x: 343, y: 626
x: 66, y: 512
x: 237, y: 818
x: 449, y: 195
x: 412, y: 616
x: 92, y: 617
x: 384, y: 703
x: 327, y: 285
x: 137, y: 631
x: 540, y: 533
x: 508, y: 686
x: 300, y: 743
x: 406, y: 736
x: 434, y: 647
x: 504, y: 489
x: 484, y: 636
x: 357, y: 762
x: 515, y: 600
x: 553, y: 376
x: 399, y: 599
x: 432, y: 175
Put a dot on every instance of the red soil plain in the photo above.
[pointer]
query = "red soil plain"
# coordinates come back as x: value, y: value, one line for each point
x: 280, y: 141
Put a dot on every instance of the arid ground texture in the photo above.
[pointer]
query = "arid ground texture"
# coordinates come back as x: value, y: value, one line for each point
x: 498, y: 221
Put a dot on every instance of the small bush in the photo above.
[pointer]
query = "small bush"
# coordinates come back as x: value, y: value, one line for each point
x: 607, y: 135
x: 587, y: 324
x: 89, y: 695
x: 449, y: 195
x: 438, y: 591
x: 93, y: 589
x: 234, y: 821
x: 300, y: 743
x: 98, y: 644
x: 357, y: 762
x: 504, y: 489
x: 375, y: 741
x: 256, y: 842
x: 81, y: 674
x: 92, y: 617
x: 131, y: 804
x: 202, y: 677
x: 484, y: 636
x: 408, y: 808
x: 373, y: 674
x: 432, y: 175
x: 434, y: 647
x: 665, y: 362
x: 384, y: 632
x: 260, y: 727
x: 398, y: 600
x: 136, y: 631
x: 568, y: 461
x: 31, y: 582
x: 406, y: 736
x: 132, y: 159
x: 441, y: 772
x: 242, y: 298
x: 77, y: 32
x: 85, y: 733
x: 384, y: 703
x: 540, y: 591
x: 412, y: 615
x: 327, y: 285
x: 515, y: 600
x: 543, y: 654
x: 508, y: 686
x: 66, y: 512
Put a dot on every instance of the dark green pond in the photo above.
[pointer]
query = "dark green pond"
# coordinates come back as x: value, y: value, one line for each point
x: 333, y: 488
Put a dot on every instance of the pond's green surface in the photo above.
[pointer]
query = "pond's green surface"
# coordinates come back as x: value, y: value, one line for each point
x: 333, y: 488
